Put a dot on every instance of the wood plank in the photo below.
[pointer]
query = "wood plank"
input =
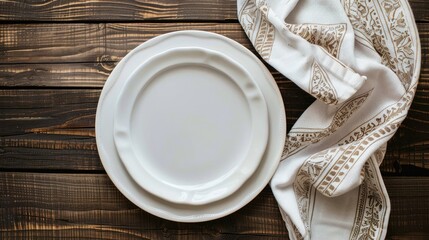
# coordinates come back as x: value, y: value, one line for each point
x: 90, y: 75
x: 62, y: 43
x: 27, y: 141
x: 420, y: 10
x: 29, y: 111
x: 76, y: 205
x: 94, y: 74
x: 410, y: 207
x: 68, y: 153
x: 104, y: 42
x: 408, y: 151
x: 124, y: 10
x: 130, y: 10
x: 51, y: 206
x: 45, y: 156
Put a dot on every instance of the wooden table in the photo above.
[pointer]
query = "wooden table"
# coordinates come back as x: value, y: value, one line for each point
x: 54, y: 59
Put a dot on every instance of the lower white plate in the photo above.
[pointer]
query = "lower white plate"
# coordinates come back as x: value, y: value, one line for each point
x: 117, y: 171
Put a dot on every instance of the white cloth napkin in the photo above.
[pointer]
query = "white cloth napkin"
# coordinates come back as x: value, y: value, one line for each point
x: 360, y: 59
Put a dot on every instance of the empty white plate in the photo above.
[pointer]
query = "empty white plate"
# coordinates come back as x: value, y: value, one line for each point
x: 116, y: 169
x: 191, y: 125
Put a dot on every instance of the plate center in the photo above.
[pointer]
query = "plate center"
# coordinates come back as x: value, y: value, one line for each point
x: 191, y: 125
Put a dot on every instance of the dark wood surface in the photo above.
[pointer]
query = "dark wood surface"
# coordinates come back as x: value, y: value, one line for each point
x: 54, y: 59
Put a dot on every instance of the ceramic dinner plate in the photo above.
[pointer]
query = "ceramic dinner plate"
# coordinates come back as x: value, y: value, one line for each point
x: 117, y: 170
x: 191, y: 125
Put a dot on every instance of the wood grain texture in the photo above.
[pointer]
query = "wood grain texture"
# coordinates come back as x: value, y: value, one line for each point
x: 137, y: 10
x: 410, y: 206
x: 28, y: 142
x: 61, y: 75
x: 105, y: 42
x: 52, y: 206
x: 111, y: 10
x: 62, y: 43
x: 76, y: 205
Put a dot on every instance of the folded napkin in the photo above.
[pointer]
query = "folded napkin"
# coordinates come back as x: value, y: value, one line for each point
x: 360, y: 59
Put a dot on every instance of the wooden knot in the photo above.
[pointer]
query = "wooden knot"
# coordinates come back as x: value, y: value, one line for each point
x: 106, y: 62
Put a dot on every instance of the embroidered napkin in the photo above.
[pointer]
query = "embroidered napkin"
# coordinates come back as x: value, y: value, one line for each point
x: 360, y: 59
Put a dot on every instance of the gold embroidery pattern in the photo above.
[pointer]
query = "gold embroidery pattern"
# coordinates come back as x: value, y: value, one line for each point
x: 298, y: 139
x: 252, y: 14
x: 328, y: 36
x: 360, y: 139
x: 350, y: 156
x: 400, y: 58
x: 396, y: 110
x: 363, y: 27
x: 247, y: 17
x: 404, y: 60
x: 320, y: 85
x: 383, y: 125
x: 306, y: 177
x: 371, y: 203
x: 385, y: 31
x: 371, y: 207
x: 365, y: 19
x: 265, y: 39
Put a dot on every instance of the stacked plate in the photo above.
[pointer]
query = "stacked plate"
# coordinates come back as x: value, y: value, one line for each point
x: 190, y: 126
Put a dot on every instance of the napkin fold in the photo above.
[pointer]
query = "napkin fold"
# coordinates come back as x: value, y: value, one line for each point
x: 360, y: 59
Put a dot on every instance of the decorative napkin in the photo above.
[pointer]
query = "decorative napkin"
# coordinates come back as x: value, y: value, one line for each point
x: 360, y: 59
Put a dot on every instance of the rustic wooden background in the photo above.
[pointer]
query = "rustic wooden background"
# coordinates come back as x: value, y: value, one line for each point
x: 54, y: 59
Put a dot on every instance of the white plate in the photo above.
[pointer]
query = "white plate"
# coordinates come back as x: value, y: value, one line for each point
x: 190, y: 125
x: 149, y: 202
